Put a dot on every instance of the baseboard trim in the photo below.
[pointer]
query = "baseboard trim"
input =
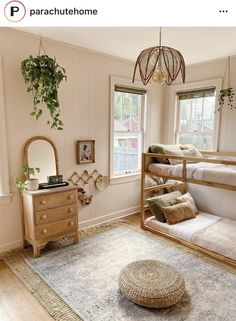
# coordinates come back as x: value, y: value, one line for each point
x: 109, y: 217
x: 88, y: 223
x: 11, y: 246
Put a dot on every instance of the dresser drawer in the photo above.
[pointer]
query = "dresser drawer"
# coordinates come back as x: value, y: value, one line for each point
x: 43, y: 202
x: 55, y: 214
x: 61, y: 227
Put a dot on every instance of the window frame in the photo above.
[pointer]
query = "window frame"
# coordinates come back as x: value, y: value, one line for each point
x: 114, y: 80
x: 5, y: 196
x: 178, y: 132
x: 217, y: 83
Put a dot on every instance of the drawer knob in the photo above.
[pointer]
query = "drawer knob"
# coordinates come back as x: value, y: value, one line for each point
x: 43, y: 202
x: 70, y: 197
x: 44, y: 217
x: 71, y: 223
x: 70, y: 210
x: 44, y: 231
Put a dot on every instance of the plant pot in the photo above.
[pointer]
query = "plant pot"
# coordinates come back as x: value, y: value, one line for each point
x: 32, y: 184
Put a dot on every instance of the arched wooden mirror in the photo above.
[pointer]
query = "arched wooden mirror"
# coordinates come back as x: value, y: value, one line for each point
x: 40, y: 151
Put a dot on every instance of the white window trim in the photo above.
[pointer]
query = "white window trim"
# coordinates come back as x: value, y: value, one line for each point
x: 114, y: 80
x: 217, y: 83
x: 5, y: 196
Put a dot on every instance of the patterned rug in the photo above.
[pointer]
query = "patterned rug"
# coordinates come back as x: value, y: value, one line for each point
x: 84, y: 276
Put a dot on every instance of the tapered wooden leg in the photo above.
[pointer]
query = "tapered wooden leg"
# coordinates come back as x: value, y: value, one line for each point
x: 36, y: 250
x: 76, y: 239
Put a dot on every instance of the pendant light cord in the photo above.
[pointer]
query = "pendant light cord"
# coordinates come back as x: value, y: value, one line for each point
x: 160, y: 37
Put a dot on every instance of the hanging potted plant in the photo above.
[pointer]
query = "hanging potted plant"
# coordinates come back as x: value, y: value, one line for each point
x: 43, y: 76
x: 30, y: 184
x: 226, y: 94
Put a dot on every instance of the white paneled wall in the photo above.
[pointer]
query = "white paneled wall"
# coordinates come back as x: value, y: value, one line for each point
x: 85, y: 113
x: 200, y: 72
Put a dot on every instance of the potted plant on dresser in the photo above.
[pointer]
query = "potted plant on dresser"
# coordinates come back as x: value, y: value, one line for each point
x: 30, y: 184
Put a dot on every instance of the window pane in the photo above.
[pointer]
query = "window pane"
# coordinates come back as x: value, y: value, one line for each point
x: 185, y: 125
x: 200, y: 141
x: 196, y: 125
x: 126, y: 153
x: 208, y: 126
x: 197, y: 116
x: 185, y: 109
x: 127, y: 111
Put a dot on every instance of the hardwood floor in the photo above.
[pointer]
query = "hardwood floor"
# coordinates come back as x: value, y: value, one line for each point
x: 17, y: 303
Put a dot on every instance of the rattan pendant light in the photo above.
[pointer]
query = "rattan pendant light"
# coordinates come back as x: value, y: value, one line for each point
x: 161, y: 63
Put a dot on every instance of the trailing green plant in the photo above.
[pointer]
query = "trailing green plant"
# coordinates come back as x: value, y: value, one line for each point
x: 226, y: 94
x: 27, y: 171
x: 21, y: 186
x: 43, y: 76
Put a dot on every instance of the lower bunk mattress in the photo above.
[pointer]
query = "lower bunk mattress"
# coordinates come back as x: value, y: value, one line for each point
x: 208, y: 231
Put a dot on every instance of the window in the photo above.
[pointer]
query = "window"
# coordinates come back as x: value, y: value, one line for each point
x: 196, y: 118
x: 127, y: 124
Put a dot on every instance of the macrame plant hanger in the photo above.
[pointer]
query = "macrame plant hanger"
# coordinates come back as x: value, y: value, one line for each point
x: 225, y: 74
x: 226, y: 92
x: 41, y: 47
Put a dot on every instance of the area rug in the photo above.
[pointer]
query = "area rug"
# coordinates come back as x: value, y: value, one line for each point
x: 85, y: 276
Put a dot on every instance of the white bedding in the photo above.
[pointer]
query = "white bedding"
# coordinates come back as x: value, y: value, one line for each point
x: 219, y: 237
x: 161, y: 169
x: 208, y: 231
x: 184, y: 230
x: 217, y: 173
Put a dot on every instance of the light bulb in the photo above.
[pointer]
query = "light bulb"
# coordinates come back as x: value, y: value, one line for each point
x: 159, y: 76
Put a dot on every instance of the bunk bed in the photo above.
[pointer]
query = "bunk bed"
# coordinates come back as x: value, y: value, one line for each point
x: 207, y: 233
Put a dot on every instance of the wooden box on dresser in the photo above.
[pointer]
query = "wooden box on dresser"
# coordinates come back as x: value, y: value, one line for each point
x: 50, y: 214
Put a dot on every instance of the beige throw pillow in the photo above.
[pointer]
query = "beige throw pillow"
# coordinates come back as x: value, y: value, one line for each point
x: 188, y: 198
x: 178, y: 213
x: 156, y: 204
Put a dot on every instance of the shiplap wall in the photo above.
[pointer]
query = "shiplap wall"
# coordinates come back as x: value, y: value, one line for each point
x: 85, y: 113
x: 200, y: 72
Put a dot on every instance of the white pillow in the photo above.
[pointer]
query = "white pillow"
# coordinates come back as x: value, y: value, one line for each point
x: 188, y: 198
x: 186, y: 150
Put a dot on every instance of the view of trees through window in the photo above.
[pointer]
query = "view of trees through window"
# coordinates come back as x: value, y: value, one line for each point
x: 196, y: 122
x: 127, y: 132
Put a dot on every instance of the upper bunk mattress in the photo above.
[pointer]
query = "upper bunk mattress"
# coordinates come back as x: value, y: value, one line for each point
x: 215, y: 173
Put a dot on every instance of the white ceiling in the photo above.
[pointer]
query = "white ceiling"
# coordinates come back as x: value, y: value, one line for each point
x: 197, y: 44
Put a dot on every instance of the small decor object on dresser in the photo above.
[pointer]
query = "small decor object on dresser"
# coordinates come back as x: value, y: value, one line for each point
x: 55, y: 179
x: 85, y: 151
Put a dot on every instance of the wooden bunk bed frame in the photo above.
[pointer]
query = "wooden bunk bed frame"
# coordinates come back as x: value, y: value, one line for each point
x: 182, y: 182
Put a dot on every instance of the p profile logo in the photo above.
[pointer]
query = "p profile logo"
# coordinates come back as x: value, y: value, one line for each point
x: 14, y: 11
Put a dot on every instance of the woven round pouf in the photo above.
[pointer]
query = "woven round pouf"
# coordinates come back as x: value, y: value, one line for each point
x: 151, y: 284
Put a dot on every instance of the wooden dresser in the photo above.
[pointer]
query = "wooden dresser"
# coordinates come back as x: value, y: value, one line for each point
x: 50, y: 214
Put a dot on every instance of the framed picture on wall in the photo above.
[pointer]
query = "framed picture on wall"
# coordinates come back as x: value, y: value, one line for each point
x: 85, y: 151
